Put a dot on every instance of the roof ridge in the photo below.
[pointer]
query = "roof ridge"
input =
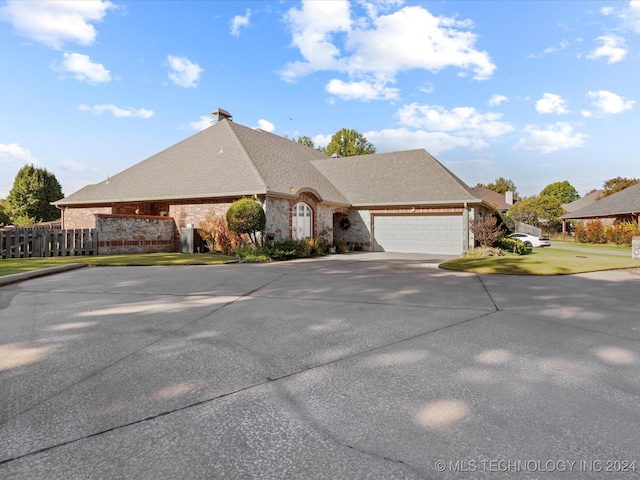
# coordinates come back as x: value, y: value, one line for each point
x: 231, y: 125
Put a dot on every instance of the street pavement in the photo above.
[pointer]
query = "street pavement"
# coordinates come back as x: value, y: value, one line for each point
x: 358, y: 366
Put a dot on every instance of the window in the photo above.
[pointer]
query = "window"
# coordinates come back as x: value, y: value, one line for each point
x: 301, y: 221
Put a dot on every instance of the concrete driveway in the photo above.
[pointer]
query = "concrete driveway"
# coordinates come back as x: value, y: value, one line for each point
x: 375, y: 366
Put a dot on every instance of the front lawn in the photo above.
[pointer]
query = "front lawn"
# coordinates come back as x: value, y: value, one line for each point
x: 9, y: 266
x: 543, y: 261
x: 570, y: 242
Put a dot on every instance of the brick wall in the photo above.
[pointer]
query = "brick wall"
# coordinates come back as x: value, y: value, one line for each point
x: 122, y: 234
x: 194, y: 212
x: 81, y: 217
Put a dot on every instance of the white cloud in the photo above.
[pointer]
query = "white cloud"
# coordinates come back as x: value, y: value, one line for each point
x: 266, y: 125
x: 72, y: 165
x: 559, y: 136
x: 184, y: 72
x: 609, y: 102
x: 551, y: 103
x: 497, y: 100
x: 613, y: 48
x: 117, y: 112
x: 56, y: 22
x: 311, y: 28
x: 83, y: 69
x: 240, y: 21
x: 466, y: 121
x: 13, y: 152
x: 361, y: 90
x: 586, y: 113
x: 377, y: 47
x: 435, y: 143
x: 631, y: 16
x: 203, y: 122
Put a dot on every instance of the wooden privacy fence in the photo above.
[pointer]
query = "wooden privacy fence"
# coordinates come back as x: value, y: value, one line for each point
x: 37, y: 242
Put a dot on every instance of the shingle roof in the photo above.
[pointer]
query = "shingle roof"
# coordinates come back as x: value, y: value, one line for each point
x: 226, y: 159
x: 397, y: 178
x: 624, y: 202
x: 582, y: 202
x: 494, y: 198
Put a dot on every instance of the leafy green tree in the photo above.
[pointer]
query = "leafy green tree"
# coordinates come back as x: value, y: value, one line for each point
x: 304, y: 140
x: 246, y: 216
x: 29, y: 200
x: 614, y: 185
x: 502, y: 185
x: 563, y: 191
x: 4, y: 218
x: 348, y: 143
x: 536, y: 210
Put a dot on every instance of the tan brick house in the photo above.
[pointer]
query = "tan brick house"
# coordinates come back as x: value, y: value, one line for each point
x: 402, y: 201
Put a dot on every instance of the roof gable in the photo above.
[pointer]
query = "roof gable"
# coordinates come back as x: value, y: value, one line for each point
x: 396, y: 178
x: 224, y: 160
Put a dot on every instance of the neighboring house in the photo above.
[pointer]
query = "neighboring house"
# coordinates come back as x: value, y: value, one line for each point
x: 499, y: 201
x: 582, y: 202
x: 401, y: 202
x: 621, y: 206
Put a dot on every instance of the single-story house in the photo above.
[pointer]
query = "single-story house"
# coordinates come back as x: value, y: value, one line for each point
x: 621, y: 206
x: 402, y: 201
x: 582, y: 202
x: 499, y: 201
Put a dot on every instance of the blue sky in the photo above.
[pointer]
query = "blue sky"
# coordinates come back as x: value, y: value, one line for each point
x: 536, y: 92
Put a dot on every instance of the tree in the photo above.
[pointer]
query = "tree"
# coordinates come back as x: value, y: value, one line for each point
x: 614, y: 185
x: 538, y: 210
x: 246, y: 216
x: 486, y: 231
x: 563, y: 191
x: 207, y: 230
x: 4, y: 218
x: 29, y: 200
x: 347, y: 143
x: 502, y: 186
x: 304, y: 140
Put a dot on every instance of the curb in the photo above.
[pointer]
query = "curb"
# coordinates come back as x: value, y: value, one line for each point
x: 19, y: 277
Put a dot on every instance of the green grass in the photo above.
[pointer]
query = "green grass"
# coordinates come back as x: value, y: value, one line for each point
x: 543, y: 261
x: 9, y: 266
x: 570, y: 242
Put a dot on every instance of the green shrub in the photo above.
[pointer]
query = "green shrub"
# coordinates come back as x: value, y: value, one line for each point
x: 249, y: 255
x: 482, y: 252
x: 513, y: 245
x: 289, y: 249
x: 246, y: 216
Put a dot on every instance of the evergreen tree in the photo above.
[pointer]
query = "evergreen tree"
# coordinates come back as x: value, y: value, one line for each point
x: 30, y: 198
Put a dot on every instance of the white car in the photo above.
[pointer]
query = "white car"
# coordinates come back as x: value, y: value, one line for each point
x: 531, y: 240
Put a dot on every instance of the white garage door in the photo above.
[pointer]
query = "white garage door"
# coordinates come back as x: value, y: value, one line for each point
x: 419, y: 234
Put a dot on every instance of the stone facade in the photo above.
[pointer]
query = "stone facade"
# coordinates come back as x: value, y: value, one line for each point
x: 123, y: 234
x: 358, y: 233
x: 278, y: 214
